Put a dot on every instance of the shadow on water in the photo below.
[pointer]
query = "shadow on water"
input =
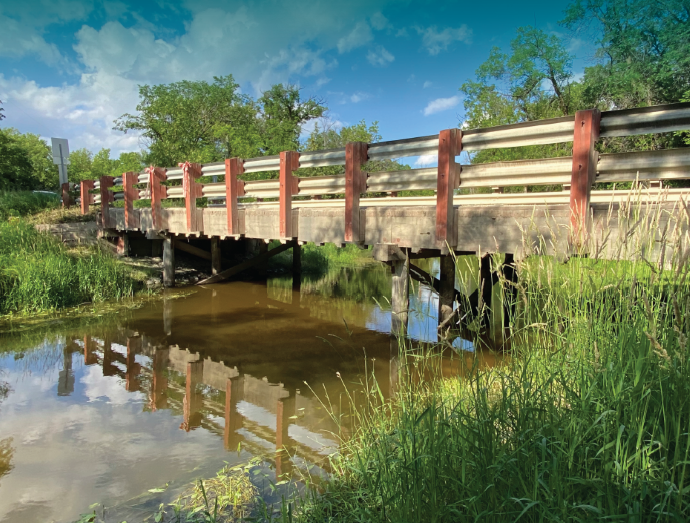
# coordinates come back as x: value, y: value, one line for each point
x: 168, y: 392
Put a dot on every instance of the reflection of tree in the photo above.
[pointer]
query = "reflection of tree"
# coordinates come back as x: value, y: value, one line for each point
x: 6, y: 452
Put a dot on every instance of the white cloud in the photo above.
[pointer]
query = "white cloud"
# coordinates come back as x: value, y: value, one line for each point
x: 18, y: 41
x: 436, y: 41
x: 427, y: 84
x: 113, y: 59
x: 441, y: 104
x: 359, y: 96
x: 358, y: 37
x: 380, y: 56
x: 426, y: 160
x: 379, y: 22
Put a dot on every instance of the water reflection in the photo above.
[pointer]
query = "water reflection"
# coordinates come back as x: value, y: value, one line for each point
x: 168, y: 393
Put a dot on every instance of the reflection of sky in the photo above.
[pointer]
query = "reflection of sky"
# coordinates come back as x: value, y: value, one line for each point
x: 422, y: 320
x: 93, y: 445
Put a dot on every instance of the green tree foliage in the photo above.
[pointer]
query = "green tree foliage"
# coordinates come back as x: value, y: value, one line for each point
x: 532, y: 82
x: 128, y: 162
x: 15, y: 164
x: 80, y: 163
x: 25, y: 162
x: 328, y: 137
x: 206, y: 122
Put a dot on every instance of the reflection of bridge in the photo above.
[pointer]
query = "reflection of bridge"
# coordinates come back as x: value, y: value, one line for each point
x: 256, y: 414
x: 330, y: 209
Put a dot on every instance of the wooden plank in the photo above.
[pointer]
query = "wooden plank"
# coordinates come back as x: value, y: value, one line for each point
x: 257, y: 260
x: 86, y: 196
x: 289, y: 162
x: 233, y: 189
x: 355, y: 184
x: 586, y: 134
x: 158, y: 193
x: 191, y: 190
x: 66, y: 198
x: 106, y: 198
x: 449, y: 146
x: 129, y: 180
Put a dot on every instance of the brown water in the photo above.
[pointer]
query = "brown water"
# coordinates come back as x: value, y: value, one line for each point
x: 104, y: 411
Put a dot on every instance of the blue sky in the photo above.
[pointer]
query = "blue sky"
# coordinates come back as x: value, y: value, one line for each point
x: 68, y: 68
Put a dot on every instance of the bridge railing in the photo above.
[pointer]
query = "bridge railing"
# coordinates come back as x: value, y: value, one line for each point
x: 578, y: 172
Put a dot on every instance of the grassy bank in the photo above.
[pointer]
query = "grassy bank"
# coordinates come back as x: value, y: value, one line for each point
x: 587, y: 420
x: 15, y: 204
x: 39, y: 273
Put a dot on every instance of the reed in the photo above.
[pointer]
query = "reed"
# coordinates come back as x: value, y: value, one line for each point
x: 39, y: 273
x: 587, y: 418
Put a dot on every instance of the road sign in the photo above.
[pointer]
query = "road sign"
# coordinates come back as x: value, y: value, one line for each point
x: 61, y: 156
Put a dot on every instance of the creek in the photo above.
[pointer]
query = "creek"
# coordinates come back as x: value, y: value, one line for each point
x: 153, y: 397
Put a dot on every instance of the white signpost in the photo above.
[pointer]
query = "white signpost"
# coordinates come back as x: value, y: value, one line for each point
x: 61, y: 157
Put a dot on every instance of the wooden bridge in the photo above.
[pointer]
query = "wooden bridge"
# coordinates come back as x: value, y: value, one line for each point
x: 367, y: 209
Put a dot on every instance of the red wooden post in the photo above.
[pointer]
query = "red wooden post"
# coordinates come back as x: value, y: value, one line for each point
x: 86, y: 196
x: 355, y: 184
x: 449, y: 146
x: 233, y: 189
x: 584, y: 172
x: 66, y: 200
x: 129, y: 180
x: 158, y: 193
x: 192, y: 191
x: 106, y: 198
x: 289, y: 162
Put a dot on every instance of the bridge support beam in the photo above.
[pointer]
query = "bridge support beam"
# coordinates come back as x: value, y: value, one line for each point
x: 486, y: 287
x: 509, y: 289
x: 446, y: 291
x: 400, y: 301
x: 169, y: 261
x: 216, y: 259
x: 355, y: 184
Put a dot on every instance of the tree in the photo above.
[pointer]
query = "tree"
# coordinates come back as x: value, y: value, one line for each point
x: 80, y: 165
x: 206, y: 122
x: 532, y: 82
x: 327, y: 137
x: 283, y: 113
x: 26, y: 162
x: 128, y: 162
x: 15, y: 164
x: 643, y: 55
x: 44, y: 173
x: 102, y: 165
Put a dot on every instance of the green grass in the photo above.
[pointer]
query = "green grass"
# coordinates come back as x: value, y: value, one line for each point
x: 14, y: 204
x: 39, y: 273
x: 586, y: 419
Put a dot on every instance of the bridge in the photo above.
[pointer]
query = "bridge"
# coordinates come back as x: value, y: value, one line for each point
x: 469, y: 209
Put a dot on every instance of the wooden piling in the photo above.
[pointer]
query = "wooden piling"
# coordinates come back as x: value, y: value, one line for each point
x: 446, y: 291
x: 169, y: 261
x: 400, y: 297
x: 486, y: 285
x: 216, y: 265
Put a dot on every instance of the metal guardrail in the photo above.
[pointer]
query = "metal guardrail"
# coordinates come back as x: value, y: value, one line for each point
x: 624, y: 167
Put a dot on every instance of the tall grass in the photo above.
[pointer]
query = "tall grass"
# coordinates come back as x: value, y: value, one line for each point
x: 23, y: 203
x: 39, y: 273
x: 587, y: 420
